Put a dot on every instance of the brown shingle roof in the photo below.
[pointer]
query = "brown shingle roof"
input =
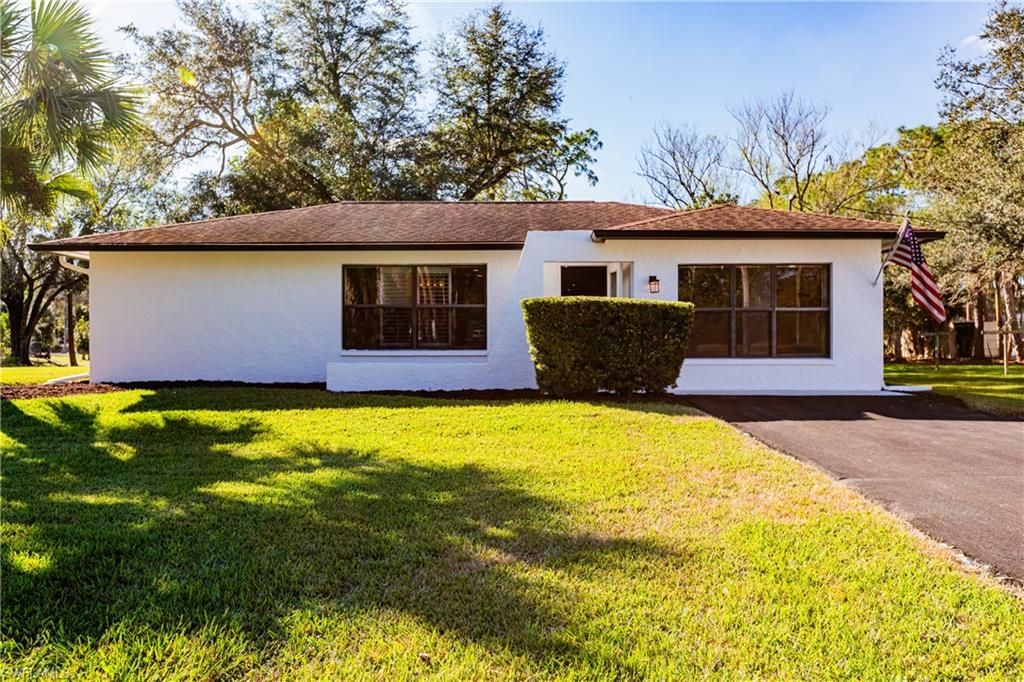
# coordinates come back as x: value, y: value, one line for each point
x: 739, y: 221
x: 433, y: 224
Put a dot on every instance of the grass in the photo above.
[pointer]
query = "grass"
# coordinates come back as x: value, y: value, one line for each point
x: 221, y: 533
x: 42, y: 371
x: 982, y: 387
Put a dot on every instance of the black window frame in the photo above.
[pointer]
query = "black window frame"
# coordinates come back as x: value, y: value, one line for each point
x: 415, y: 307
x: 773, y: 308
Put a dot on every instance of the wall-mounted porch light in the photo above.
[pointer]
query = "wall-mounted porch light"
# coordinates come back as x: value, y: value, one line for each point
x: 653, y: 285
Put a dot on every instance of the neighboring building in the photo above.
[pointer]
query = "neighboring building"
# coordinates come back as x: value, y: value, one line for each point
x: 426, y: 295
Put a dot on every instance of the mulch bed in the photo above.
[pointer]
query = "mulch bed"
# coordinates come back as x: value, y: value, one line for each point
x: 54, y: 390
x: 493, y: 395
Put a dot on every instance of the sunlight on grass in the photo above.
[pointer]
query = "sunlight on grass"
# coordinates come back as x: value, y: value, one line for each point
x: 251, y: 535
x: 41, y: 371
x: 27, y: 562
x: 980, y: 386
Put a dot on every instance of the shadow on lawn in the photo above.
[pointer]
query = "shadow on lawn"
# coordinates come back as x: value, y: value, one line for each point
x: 164, y: 526
x: 263, y: 398
x: 730, y: 408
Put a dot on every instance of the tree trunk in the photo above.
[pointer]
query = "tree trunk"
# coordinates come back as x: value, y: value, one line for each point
x: 1010, y: 293
x: 69, y: 328
x: 897, y: 346
x: 20, y: 342
x: 978, y: 311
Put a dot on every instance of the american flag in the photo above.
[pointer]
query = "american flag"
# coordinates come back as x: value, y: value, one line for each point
x: 906, y: 252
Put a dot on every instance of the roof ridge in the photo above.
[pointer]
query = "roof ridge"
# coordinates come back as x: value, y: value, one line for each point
x: 815, y: 214
x: 715, y: 207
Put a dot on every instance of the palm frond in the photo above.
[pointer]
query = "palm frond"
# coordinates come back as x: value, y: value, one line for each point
x: 71, y: 185
x: 25, y: 188
x: 21, y: 188
x: 13, y: 38
x: 66, y: 105
x: 63, y: 41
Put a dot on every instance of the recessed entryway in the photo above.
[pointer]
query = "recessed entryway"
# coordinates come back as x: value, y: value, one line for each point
x: 584, y: 280
x: 588, y: 279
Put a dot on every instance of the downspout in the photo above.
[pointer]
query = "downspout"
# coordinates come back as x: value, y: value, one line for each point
x: 62, y: 258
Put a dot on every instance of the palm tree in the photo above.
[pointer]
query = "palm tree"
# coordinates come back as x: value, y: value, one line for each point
x: 62, y: 110
x: 62, y: 106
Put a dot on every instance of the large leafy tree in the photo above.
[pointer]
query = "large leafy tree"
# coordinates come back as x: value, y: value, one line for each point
x: 313, y: 101
x: 547, y: 176
x: 353, y: 65
x: 217, y: 86
x: 499, y: 91
x: 63, y: 111
x: 966, y: 176
x: 978, y: 180
x: 984, y: 130
x: 991, y: 85
x: 310, y: 101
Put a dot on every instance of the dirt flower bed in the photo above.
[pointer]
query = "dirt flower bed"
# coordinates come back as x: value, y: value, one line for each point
x: 54, y: 390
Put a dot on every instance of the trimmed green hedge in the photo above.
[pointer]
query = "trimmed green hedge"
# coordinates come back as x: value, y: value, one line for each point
x: 583, y: 344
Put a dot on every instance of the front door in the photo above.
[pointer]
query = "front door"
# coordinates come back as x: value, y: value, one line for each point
x: 584, y: 280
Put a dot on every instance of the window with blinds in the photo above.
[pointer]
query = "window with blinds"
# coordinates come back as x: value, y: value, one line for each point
x: 403, y: 307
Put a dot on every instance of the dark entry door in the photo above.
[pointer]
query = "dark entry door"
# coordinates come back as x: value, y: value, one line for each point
x: 584, y: 280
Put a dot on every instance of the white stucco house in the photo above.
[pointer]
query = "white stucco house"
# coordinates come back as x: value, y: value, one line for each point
x: 369, y: 296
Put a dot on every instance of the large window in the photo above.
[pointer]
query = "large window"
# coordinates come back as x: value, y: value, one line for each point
x: 750, y: 311
x: 426, y: 306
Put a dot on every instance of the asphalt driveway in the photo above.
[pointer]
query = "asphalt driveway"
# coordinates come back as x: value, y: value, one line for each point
x: 954, y: 473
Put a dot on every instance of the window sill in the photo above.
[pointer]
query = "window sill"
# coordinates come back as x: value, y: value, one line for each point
x: 770, y: 362
x: 421, y: 353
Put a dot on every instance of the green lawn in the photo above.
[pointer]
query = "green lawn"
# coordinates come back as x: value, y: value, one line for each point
x: 221, y: 533
x: 41, y: 371
x: 981, y: 386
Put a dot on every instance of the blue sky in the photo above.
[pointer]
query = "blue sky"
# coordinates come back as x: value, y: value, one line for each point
x: 630, y: 65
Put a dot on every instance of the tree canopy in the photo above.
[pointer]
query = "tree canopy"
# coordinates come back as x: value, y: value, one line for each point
x: 312, y: 101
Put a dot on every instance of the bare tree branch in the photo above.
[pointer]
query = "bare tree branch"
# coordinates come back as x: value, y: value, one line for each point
x: 781, y: 144
x: 685, y: 169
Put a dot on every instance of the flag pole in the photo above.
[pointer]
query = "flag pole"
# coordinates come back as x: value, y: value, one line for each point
x: 895, y: 245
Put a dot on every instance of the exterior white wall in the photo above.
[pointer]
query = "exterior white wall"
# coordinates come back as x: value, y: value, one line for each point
x: 257, y: 316
x: 855, y: 364
x: 276, y: 316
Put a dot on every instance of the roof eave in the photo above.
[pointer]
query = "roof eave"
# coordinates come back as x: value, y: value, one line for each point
x: 329, y: 246
x: 759, y: 234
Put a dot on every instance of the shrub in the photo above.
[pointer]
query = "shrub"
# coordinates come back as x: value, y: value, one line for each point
x: 582, y: 344
x: 82, y: 334
x: 5, y: 334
